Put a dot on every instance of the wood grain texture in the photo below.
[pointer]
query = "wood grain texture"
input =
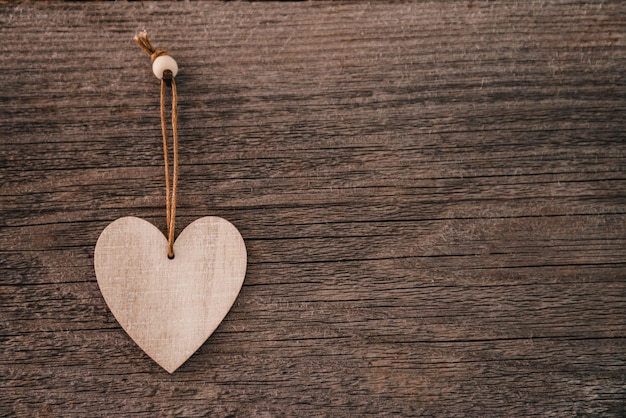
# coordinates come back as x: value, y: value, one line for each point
x: 169, y: 307
x: 432, y: 197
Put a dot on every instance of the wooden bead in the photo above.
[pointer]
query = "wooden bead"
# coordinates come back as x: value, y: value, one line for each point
x: 163, y: 63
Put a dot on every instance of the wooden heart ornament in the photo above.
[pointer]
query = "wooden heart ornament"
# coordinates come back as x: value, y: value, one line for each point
x: 170, y: 307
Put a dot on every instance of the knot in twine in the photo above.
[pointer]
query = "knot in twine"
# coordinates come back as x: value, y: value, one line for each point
x: 142, y: 40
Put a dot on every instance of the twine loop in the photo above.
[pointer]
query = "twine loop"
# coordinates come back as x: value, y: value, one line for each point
x: 170, y: 190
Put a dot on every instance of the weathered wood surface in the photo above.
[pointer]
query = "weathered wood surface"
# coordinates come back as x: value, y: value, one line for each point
x: 433, y: 198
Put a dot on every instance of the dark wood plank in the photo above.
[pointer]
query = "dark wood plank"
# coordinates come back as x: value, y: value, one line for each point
x: 432, y: 195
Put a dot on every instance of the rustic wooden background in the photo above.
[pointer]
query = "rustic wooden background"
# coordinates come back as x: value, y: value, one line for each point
x: 433, y: 197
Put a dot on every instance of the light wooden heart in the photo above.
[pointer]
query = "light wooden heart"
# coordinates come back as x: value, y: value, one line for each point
x: 170, y: 307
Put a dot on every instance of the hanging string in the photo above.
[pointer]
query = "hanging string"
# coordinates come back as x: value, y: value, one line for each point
x: 165, y: 68
x: 170, y: 192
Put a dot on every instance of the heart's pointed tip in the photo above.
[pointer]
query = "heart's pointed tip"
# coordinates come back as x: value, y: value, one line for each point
x: 170, y: 368
x: 171, y: 363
